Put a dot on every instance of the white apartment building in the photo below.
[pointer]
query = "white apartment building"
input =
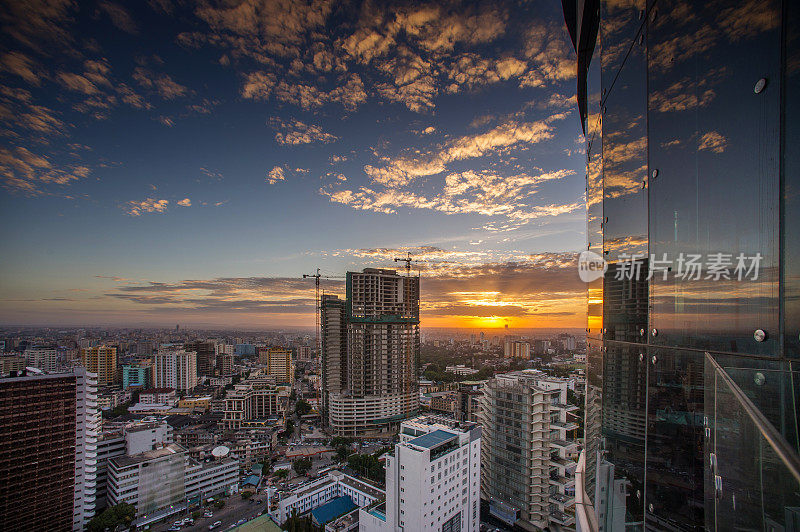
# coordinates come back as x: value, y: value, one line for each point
x: 256, y: 398
x: 86, y: 433
x: 44, y: 358
x: 335, y: 484
x: 529, y: 457
x: 433, y: 479
x: 175, y: 368
x: 461, y: 369
x: 158, y: 396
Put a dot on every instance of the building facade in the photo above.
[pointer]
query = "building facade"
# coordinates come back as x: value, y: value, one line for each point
x: 689, y: 114
x: 102, y: 361
x: 278, y: 363
x: 44, y: 358
x: 206, y: 356
x: 372, y: 361
x: 175, y: 368
x: 139, y: 375
x: 529, y: 454
x: 433, y: 479
x: 254, y: 399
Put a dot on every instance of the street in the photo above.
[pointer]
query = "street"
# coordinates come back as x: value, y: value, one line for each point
x: 235, y: 510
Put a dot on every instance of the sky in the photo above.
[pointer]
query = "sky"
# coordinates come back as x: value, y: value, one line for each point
x: 186, y: 162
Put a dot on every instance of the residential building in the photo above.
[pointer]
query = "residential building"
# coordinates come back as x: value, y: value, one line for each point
x: 44, y: 358
x: 137, y: 376
x: 9, y: 363
x: 224, y: 363
x: 175, y: 368
x: 433, y: 479
x: 253, y: 399
x: 48, y: 438
x: 110, y: 444
x: 690, y: 156
x: 529, y: 455
x: 468, y: 400
x: 444, y: 402
x: 517, y: 349
x: 101, y: 360
x: 304, y: 353
x: 158, y: 396
x: 461, y: 369
x: 376, y: 375
x: 206, y: 356
x: 316, y: 493
x: 278, y: 363
x: 195, y: 402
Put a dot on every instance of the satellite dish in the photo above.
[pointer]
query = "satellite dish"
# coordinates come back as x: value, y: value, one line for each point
x: 220, y: 452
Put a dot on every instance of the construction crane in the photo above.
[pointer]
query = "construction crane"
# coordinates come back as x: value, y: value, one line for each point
x: 317, y: 276
x: 408, y: 260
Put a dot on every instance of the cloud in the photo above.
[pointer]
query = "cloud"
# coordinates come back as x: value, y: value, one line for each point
x: 295, y: 132
x: 166, y: 87
x: 149, y: 205
x: 119, y: 17
x: 185, y: 202
x: 24, y: 171
x: 21, y: 65
x: 276, y: 174
x: 713, y: 141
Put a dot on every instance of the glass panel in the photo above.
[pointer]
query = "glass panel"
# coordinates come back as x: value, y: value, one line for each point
x: 624, y: 418
x: 713, y: 140
x: 749, y: 485
x: 674, y: 497
x: 594, y: 411
x: 594, y: 192
x: 791, y: 172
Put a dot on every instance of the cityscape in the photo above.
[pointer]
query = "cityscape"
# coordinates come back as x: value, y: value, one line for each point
x: 447, y: 266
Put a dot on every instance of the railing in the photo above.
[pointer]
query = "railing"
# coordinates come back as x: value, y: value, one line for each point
x: 752, y: 473
x: 585, y: 516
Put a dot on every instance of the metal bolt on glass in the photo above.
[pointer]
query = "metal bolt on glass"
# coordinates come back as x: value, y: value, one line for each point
x: 654, y: 332
x: 655, y: 359
x: 760, y: 85
x: 654, y: 173
x: 759, y: 378
x: 759, y: 335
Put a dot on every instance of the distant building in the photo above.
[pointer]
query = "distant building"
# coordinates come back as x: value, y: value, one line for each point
x: 468, y: 400
x: 253, y: 399
x: 49, y: 447
x: 461, y: 369
x: 433, y: 479
x: 9, y: 363
x: 444, y: 402
x: 304, y: 352
x: 175, y: 368
x: 44, y: 358
x: 101, y: 360
x: 157, y: 396
x: 196, y: 402
x: 517, y: 349
x: 137, y: 376
x: 224, y: 364
x: 206, y: 356
x: 278, y: 362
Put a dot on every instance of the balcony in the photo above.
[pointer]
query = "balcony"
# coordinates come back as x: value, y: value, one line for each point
x: 561, y: 500
x: 562, y: 518
x: 569, y: 425
x: 754, y: 471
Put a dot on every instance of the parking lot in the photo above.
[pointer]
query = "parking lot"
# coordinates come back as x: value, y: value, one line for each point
x: 236, y: 511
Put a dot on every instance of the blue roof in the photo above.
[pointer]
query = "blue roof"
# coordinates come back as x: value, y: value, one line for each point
x: 255, y: 480
x: 329, y: 511
x: 432, y: 439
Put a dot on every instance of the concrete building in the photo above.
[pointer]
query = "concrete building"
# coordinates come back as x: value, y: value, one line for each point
x: 102, y: 361
x: 48, y: 451
x: 433, y: 479
x: 44, y: 358
x: 444, y: 402
x: 138, y: 375
x: 304, y: 353
x: 9, y: 363
x: 278, y: 363
x: 316, y: 493
x: 157, y: 396
x: 206, y: 356
x: 373, y: 367
x: 253, y: 399
x: 175, y: 368
x: 224, y: 363
x: 468, y: 400
x: 529, y: 456
x: 516, y: 349
x: 461, y: 369
x: 110, y: 444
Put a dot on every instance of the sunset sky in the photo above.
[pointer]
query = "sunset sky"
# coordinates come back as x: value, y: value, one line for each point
x: 178, y: 162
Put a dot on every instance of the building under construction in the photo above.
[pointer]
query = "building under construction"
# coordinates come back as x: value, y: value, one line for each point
x: 370, y: 351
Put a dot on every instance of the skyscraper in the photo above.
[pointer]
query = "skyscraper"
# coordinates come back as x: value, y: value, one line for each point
x: 690, y: 114
x: 278, y: 362
x: 48, y: 435
x: 370, y: 353
x: 206, y: 356
x: 102, y: 361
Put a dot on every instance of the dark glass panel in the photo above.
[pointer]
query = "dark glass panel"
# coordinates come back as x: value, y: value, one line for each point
x: 594, y: 192
x: 594, y: 411
x: 674, y: 496
x: 624, y: 420
x: 791, y: 172
x: 713, y: 141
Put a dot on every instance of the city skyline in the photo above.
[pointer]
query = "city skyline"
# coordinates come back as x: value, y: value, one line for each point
x: 217, y: 154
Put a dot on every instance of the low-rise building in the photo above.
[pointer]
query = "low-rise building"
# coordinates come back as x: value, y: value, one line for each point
x: 252, y: 400
x: 157, y: 396
x: 461, y: 369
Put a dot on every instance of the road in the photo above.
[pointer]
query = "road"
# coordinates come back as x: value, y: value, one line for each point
x: 235, y: 510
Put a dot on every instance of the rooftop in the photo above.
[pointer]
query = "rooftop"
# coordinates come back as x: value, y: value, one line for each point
x: 169, y: 450
x: 432, y: 439
x: 333, y: 509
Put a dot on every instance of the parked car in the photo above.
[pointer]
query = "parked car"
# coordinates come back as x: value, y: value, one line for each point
x: 214, y: 525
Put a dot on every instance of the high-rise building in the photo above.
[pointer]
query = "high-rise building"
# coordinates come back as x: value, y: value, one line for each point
x: 254, y: 399
x: 224, y: 363
x: 373, y: 367
x: 44, y: 358
x: 278, y: 363
x: 48, y: 434
x: 175, y: 368
x: 433, y: 479
x: 138, y: 375
x: 529, y: 452
x: 304, y: 352
x: 517, y: 349
x: 102, y: 361
x: 206, y: 356
x: 690, y: 114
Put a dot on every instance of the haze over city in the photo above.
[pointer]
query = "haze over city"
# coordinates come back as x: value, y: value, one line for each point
x: 167, y: 163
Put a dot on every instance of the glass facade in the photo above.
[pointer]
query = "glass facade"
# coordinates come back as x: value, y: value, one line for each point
x: 693, y: 200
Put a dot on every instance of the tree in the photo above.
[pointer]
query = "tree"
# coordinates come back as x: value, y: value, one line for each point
x: 265, y: 469
x: 301, y: 466
x: 367, y: 465
x: 342, y: 452
x: 302, y: 408
x: 246, y: 495
x: 281, y: 473
x: 116, y: 411
x: 121, y: 514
